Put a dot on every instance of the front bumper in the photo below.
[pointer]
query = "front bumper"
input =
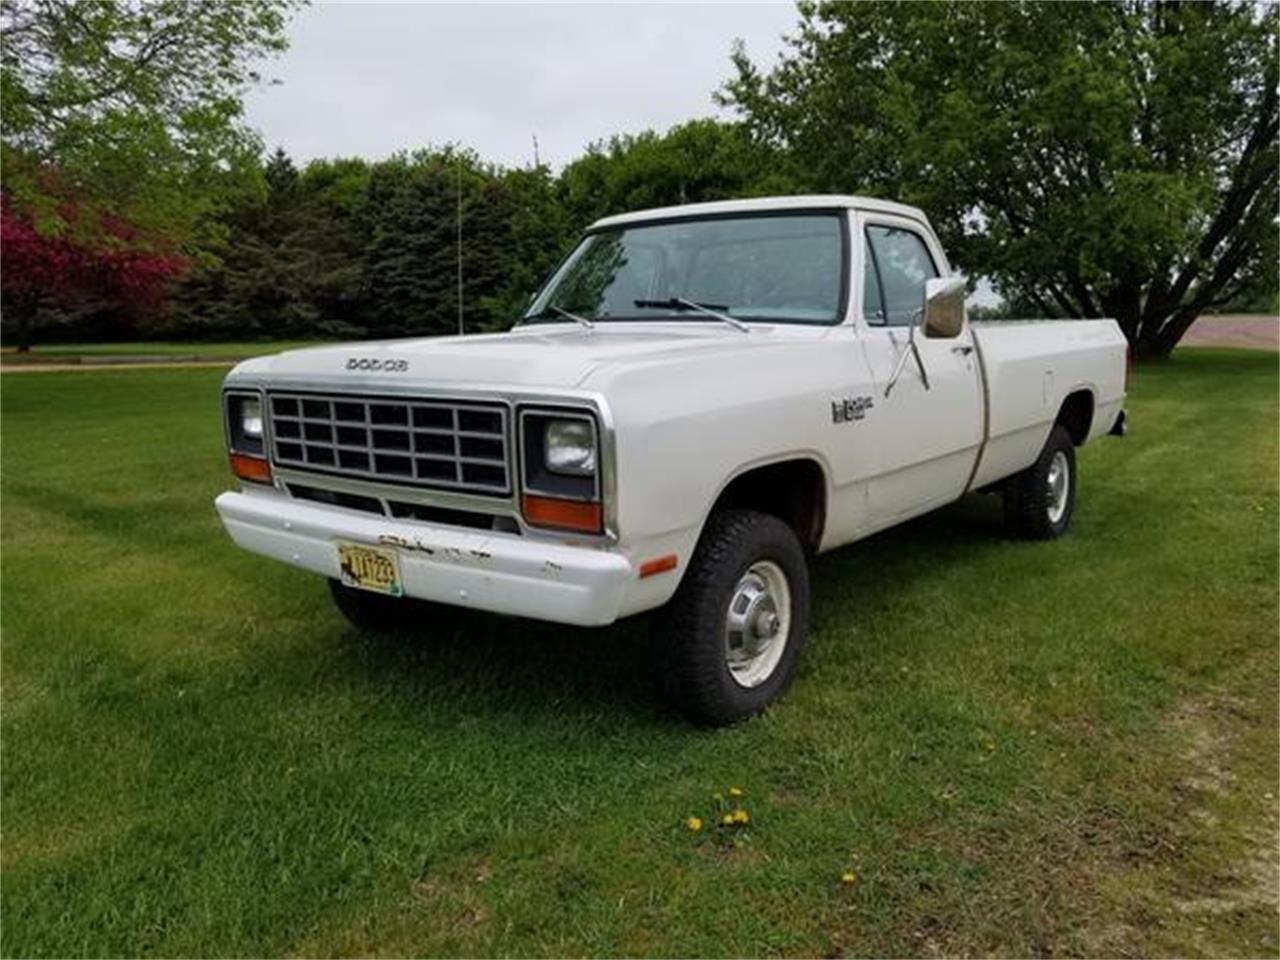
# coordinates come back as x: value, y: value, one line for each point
x: 501, y: 573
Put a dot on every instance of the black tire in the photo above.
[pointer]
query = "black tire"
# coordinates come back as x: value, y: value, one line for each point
x: 372, y: 612
x: 1029, y: 506
x: 689, y: 634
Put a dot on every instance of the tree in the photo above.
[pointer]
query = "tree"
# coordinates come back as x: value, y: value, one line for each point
x: 1114, y: 159
x: 136, y: 104
x: 129, y: 111
x: 345, y: 248
x: 290, y: 263
x: 410, y: 282
x: 702, y: 160
x: 536, y: 236
x: 66, y: 271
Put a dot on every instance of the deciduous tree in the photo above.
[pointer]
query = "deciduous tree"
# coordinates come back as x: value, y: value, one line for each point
x: 127, y: 111
x: 66, y: 270
x: 1114, y: 159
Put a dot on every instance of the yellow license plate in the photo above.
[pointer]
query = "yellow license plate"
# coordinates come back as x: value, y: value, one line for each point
x: 370, y: 568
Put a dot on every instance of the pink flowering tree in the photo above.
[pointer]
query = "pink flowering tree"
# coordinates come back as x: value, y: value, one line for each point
x: 115, y: 268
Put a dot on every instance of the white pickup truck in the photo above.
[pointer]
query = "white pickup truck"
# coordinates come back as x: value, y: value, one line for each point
x: 698, y: 399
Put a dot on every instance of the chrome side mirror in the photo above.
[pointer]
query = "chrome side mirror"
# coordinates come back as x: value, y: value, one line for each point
x: 941, y: 317
x: 944, y: 307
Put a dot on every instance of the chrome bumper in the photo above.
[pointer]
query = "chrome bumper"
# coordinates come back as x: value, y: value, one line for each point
x: 498, y: 572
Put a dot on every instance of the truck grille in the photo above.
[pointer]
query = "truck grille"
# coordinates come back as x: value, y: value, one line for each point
x: 425, y: 443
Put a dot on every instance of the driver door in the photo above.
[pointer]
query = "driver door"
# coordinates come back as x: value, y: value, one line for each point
x: 927, y: 437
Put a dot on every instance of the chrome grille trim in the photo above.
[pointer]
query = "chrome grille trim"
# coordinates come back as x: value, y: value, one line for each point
x: 432, y: 443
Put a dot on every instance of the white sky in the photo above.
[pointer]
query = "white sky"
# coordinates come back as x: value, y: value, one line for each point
x: 368, y: 79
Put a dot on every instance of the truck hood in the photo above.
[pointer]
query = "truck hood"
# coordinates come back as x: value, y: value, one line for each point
x: 550, y: 355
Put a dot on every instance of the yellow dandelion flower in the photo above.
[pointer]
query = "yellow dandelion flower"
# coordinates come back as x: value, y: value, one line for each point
x: 735, y: 791
x: 727, y: 820
x: 847, y: 878
x: 694, y: 824
x: 741, y: 816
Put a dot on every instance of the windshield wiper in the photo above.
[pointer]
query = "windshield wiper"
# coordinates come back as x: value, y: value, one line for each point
x: 565, y: 314
x: 710, y: 309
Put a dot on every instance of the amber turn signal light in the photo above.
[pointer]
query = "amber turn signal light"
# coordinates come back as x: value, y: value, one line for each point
x: 256, y: 469
x: 562, y: 514
x: 657, y: 565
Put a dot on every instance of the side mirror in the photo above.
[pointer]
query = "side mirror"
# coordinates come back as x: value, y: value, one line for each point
x: 944, y: 307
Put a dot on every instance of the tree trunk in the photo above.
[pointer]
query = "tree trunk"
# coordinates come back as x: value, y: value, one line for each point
x: 1145, y: 350
x: 1124, y: 306
x: 1160, y: 345
x: 25, y: 309
x: 1159, y: 336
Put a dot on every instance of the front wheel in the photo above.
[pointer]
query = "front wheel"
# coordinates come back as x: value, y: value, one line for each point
x: 726, y: 645
x: 1039, y: 501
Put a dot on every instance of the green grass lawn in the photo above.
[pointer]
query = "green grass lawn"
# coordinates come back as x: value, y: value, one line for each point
x: 211, y: 351
x: 1016, y: 748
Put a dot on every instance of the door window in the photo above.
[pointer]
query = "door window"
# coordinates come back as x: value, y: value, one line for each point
x: 902, y: 263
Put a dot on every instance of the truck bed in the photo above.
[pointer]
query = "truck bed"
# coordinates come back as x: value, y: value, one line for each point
x: 1029, y: 369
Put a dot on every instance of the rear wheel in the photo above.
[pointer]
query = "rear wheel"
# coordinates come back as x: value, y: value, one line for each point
x: 727, y: 644
x: 1039, y: 501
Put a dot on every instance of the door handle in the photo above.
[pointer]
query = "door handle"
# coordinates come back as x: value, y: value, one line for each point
x: 964, y: 349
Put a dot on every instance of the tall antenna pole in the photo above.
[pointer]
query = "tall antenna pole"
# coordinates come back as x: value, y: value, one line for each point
x: 537, y: 161
x: 461, y: 331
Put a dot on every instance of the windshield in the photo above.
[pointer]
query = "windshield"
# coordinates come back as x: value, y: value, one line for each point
x: 779, y: 268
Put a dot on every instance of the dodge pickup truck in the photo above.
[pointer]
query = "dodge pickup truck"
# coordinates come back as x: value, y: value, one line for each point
x: 698, y: 399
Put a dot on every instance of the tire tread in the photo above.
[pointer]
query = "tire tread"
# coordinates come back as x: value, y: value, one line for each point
x: 688, y: 657
x: 1026, y: 502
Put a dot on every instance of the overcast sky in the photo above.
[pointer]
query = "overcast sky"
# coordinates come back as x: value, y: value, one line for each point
x: 368, y: 79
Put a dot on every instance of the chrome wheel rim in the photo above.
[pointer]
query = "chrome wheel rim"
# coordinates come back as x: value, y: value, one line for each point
x: 1058, y: 483
x: 757, y: 624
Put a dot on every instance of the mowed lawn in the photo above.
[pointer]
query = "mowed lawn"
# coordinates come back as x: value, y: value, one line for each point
x: 1015, y: 748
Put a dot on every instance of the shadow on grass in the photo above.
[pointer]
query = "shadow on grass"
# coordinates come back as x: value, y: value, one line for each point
x: 517, y: 670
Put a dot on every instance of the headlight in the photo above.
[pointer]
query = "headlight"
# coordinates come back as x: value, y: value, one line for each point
x: 251, y: 418
x: 244, y: 423
x: 560, y: 481
x: 570, y: 447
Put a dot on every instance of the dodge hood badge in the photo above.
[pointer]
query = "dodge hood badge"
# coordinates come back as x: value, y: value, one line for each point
x: 383, y: 366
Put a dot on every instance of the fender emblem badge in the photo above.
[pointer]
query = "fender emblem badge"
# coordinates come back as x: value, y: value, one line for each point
x: 845, y: 409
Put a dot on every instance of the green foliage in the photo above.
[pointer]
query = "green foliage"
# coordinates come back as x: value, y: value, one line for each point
x: 1260, y: 292
x: 1113, y: 159
x: 411, y: 215
x: 355, y: 249
x: 701, y: 160
x: 287, y: 263
x: 132, y: 106
x: 347, y: 248
x: 538, y: 233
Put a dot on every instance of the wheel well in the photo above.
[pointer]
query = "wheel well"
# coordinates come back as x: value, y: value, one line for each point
x: 794, y: 491
x: 1076, y: 414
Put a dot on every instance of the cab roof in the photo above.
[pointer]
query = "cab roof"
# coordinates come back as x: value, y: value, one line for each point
x: 821, y: 201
